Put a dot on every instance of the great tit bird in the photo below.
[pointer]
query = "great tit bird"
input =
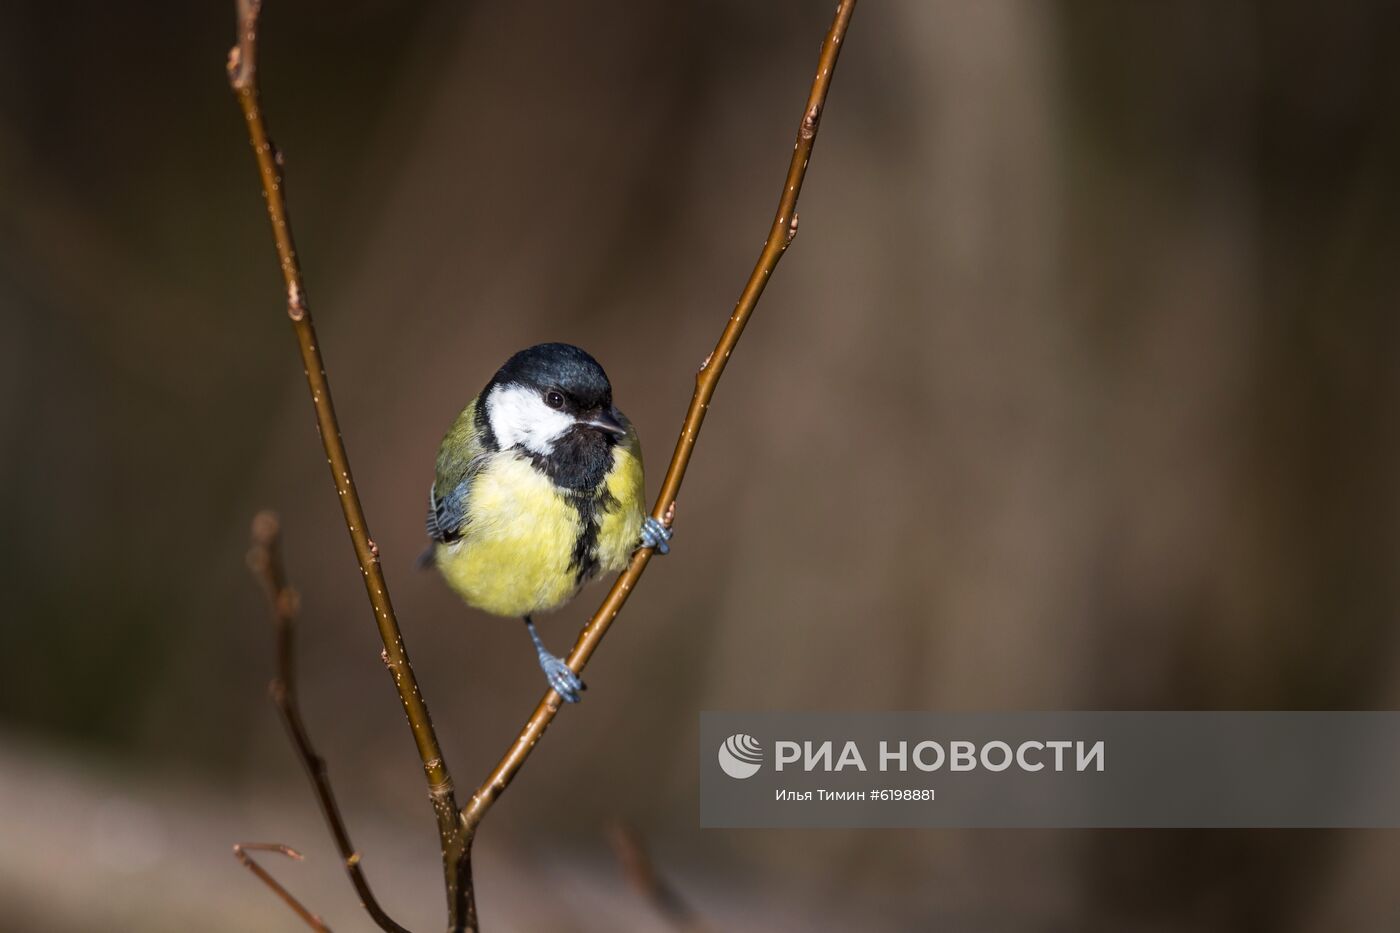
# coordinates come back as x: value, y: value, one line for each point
x: 539, y: 490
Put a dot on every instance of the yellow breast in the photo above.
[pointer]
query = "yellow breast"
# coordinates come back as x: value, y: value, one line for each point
x: 516, y: 554
x: 620, y: 526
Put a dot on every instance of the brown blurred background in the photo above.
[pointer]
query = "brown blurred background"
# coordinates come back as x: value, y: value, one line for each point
x: 1077, y: 391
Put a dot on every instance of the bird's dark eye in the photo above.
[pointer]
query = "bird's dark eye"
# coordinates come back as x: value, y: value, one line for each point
x: 554, y: 399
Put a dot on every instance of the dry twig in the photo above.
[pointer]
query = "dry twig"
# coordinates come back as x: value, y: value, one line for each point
x: 243, y: 77
x: 457, y: 828
x: 265, y: 560
x: 780, y: 236
x: 640, y: 870
x: 241, y: 850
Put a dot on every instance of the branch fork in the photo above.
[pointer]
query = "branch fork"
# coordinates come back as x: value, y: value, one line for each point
x: 457, y: 827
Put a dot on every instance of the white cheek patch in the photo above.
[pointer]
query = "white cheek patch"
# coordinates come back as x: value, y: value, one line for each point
x: 519, y: 416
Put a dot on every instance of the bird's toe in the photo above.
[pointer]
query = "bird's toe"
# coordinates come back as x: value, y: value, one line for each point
x: 656, y: 535
x: 564, y: 681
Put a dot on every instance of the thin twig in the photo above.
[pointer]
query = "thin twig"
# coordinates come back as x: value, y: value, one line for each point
x: 241, y: 850
x: 780, y: 236
x: 265, y: 560
x: 640, y: 871
x: 243, y: 78
x: 457, y: 828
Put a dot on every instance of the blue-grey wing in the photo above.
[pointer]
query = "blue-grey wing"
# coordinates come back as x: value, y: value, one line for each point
x: 460, y: 457
x: 447, y: 513
x: 446, y: 517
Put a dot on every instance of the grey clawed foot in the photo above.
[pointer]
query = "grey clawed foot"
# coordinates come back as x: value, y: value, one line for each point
x: 656, y: 535
x: 562, y: 678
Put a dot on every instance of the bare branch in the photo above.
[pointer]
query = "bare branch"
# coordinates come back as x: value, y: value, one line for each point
x: 265, y: 560
x: 242, y: 58
x: 637, y: 865
x: 241, y: 850
x: 780, y: 235
x: 243, y: 78
x: 456, y: 828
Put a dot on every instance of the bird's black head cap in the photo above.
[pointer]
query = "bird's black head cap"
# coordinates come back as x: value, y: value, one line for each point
x: 559, y: 366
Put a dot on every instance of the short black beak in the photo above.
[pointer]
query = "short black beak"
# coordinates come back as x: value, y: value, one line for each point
x: 609, y: 420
